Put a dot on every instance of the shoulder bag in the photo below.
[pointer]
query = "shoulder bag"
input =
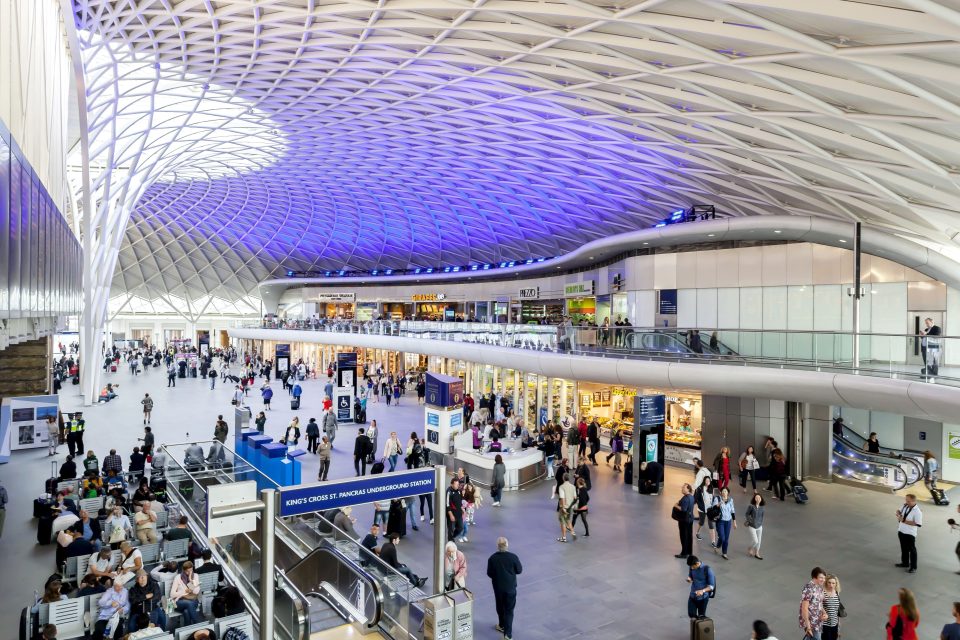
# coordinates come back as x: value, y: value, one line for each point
x: 841, y: 610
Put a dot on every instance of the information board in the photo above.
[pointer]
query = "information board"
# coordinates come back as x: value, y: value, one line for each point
x: 650, y: 410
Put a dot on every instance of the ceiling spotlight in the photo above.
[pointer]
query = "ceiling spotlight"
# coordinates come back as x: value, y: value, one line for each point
x: 843, y: 241
x: 777, y: 231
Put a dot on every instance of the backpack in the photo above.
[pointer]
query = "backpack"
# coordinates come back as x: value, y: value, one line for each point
x: 235, y: 634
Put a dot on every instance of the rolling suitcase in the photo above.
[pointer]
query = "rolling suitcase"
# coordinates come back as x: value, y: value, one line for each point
x: 939, y: 497
x: 295, y: 403
x: 45, y: 529
x: 113, y: 368
x: 628, y: 472
x: 377, y: 467
x: 701, y: 629
x: 799, y: 492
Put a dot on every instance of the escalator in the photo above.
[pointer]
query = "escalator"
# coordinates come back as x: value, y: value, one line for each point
x: 887, y: 472
x: 672, y: 343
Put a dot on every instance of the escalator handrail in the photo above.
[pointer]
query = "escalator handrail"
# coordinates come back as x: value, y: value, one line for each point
x: 357, y: 570
x: 904, y: 452
x: 910, y: 460
x: 896, y: 468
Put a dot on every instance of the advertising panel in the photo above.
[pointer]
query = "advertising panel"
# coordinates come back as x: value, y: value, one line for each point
x: 23, y: 423
x: 650, y: 410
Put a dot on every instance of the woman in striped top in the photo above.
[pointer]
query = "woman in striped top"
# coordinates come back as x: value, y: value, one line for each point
x: 831, y: 605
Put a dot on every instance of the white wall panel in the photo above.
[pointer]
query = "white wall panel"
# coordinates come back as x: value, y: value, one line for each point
x: 826, y: 264
x: 665, y: 271
x: 883, y: 270
x: 639, y: 274
x: 751, y: 267
x: 951, y: 327
x: 706, y: 269
x: 687, y: 270
x: 889, y: 428
x: 642, y: 307
x: 827, y: 307
x: 728, y: 268
x: 774, y: 308
x: 687, y: 308
x: 774, y: 271
x: 707, y: 308
x: 751, y: 307
x: 800, y: 309
x: 799, y: 263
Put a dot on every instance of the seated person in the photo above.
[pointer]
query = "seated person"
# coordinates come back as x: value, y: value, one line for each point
x: 131, y: 562
x: 118, y: 527
x: 113, y: 461
x: 80, y: 545
x: 116, y: 497
x: 193, y: 456
x: 146, y: 599
x: 185, y: 593
x: 66, y: 502
x: 92, y: 487
x: 143, y: 493
x: 165, y: 573
x: 202, y: 634
x: 89, y: 586
x: 137, y: 462
x: 90, y: 528
x: 114, y: 600
x: 68, y: 470
x: 107, y: 393
x: 388, y: 553
x: 179, y: 532
x: 51, y: 593
x: 101, y: 566
x: 113, y: 480
x: 145, y: 521
x: 228, y: 602
x: 91, y: 465
x: 139, y: 626
x: 65, y: 520
x: 206, y: 565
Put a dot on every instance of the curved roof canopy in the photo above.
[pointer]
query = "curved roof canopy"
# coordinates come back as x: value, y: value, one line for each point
x: 243, y: 139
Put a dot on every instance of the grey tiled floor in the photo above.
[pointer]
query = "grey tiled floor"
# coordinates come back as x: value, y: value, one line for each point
x: 621, y: 582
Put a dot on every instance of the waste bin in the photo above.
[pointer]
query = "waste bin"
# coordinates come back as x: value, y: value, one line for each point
x: 438, y: 618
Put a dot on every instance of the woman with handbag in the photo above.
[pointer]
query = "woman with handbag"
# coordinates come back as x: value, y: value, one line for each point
x: 701, y: 496
x: 904, y: 617
x: 748, y: 467
x: 833, y: 607
x: 721, y: 468
x: 185, y: 593
x: 683, y: 514
x: 583, y: 498
x: 723, y: 511
x: 754, y: 521
x: 454, y: 567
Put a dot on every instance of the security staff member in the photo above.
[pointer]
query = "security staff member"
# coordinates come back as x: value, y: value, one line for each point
x: 910, y: 519
x: 77, y: 427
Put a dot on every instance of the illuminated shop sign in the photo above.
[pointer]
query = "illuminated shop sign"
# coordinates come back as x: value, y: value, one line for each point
x: 429, y: 297
x: 530, y: 294
x: 336, y: 297
x: 578, y: 289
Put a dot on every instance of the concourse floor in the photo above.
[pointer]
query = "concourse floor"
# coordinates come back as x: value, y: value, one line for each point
x: 621, y: 582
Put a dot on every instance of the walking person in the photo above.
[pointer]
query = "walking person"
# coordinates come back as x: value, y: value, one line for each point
x: 580, y: 511
x: 951, y: 630
x: 831, y: 604
x: 726, y: 520
x: 566, y: 501
x: 904, y: 617
x: 392, y: 449
x: 721, y: 468
x: 703, y: 585
x: 683, y: 514
x: 171, y: 375
x: 616, y: 450
x: 503, y: 567
x: 930, y: 468
x: 754, y: 521
x: 292, y: 435
x: 593, y: 437
x: 361, y: 447
x: 748, y: 468
x: 373, y: 432
x: 313, y: 436
x: 267, y: 394
x: 454, y: 509
x: 812, y: 614
x: 330, y: 426
x: 499, y: 479
x: 909, y: 519
x: 147, y: 403
x: 53, y: 435
x: 702, y: 495
x: 778, y: 475
x: 323, y: 449
x: 561, y: 473
x: 454, y: 567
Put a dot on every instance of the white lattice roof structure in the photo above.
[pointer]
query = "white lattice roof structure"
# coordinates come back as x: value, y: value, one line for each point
x: 240, y: 139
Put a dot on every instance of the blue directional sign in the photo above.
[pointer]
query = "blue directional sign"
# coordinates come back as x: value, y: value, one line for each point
x: 345, y: 493
x: 650, y: 410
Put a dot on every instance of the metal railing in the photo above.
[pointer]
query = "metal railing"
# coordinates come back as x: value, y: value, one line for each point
x: 881, y: 354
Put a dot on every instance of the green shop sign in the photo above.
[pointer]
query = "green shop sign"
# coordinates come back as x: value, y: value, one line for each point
x: 577, y: 289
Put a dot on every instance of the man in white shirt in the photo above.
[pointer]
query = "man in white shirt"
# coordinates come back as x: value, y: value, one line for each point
x: 910, y: 519
x: 567, y: 494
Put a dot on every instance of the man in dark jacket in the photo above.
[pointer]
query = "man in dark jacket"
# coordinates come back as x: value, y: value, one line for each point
x: 361, y: 447
x: 388, y: 553
x: 593, y: 437
x: 146, y: 596
x: 503, y: 567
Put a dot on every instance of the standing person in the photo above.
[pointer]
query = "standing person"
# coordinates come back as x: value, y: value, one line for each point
x: 721, y: 467
x: 361, y: 447
x: 503, y: 567
x: 499, y: 479
x: 261, y: 421
x: 904, y: 617
x: 593, y: 437
x: 748, y: 468
x: 726, y: 520
x: 171, y: 375
x: 372, y: 433
x: 561, y: 472
x: 930, y: 347
x: 148, y: 440
x: 701, y: 496
x: 872, y: 444
x: 454, y: 509
x: 3, y: 507
x: 616, y: 450
x: 324, y: 451
x: 330, y: 426
x: 703, y: 584
x: 778, y: 475
x: 831, y: 604
x: 769, y: 446
x: 573, y: 443
x: 147, y: 403
x: 812, y: 615
x: 392, y: 449
x: 454, y: 567
x: 702, y: 472
x: 313, y: 436
x: 212, y: 374
x: 292, y: 435
x: 684, y: 518
x: 951, y: 631
x: 581, y: 507
x: 761, y: 631
x: 53, y: 435
x: 566, y: 502
x: 754, y: 521
x: 221, y: 429
x: 930, y: 468
x: 909, y: 519
x: 267, y: 394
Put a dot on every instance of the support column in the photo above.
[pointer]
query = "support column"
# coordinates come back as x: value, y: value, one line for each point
x: 857, y: 294
x: 267, y: 563
x: 795, y: 440
x: 439, y: 525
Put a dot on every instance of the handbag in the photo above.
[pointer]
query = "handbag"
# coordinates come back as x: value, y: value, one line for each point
x: 678, y: 514
x: 117, y: 535
x: 841, y: 610
x: 713, y: 512
x: 897, y: 629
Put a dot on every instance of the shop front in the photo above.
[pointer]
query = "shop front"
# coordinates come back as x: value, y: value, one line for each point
x: 335, y: 305
x: 531, y: 309
x: 613, y: 408
x: 436, y: 306
x: 581, y: 303
x: 396, y: 310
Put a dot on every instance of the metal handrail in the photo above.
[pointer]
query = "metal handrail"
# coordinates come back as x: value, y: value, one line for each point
x: 889, y: 458
x: 361, y: 574
x: 897, y: 470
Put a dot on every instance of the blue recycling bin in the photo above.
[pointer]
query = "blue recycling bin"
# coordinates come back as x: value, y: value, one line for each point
x: 292, y: 468
x: 241, y: 442
x: 272, y: 456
